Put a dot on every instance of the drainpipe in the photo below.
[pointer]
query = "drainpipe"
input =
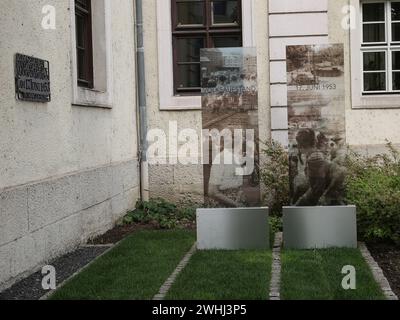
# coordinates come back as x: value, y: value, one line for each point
x: 141, y: 103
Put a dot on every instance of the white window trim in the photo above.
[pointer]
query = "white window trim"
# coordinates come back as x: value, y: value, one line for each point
x: 360, y: 101
x: 101, y: 98
x: 169, y: 101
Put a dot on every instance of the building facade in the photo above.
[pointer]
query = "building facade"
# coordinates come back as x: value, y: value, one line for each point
x: 69, y: 168
x: 372, y: 116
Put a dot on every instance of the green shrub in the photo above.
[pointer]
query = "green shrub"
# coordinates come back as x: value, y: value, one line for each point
x: 276, y: 224
x: 274, y: 176
x: 162, y: 214
x: 373, y: 185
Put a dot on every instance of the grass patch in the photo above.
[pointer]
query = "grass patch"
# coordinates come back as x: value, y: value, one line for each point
x: 224, y: 275
x: 135, y: 269
x: 316, y: 275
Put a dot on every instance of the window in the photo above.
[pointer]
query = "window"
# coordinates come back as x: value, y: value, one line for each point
x: 84, y: 47
x: 200, y: 24
x: 91, y: 53
x: 380, y: 47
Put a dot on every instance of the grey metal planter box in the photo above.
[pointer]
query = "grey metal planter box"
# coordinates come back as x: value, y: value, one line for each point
x: 320, y: 227
x: 232, y: 229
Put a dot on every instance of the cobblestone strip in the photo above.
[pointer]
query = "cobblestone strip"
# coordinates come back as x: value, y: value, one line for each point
x: 274, y: 290
x: 170, y: 281
x: 378, y: 273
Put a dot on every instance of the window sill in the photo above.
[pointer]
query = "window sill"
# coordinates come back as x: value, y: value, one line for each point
x: 181, y: 103
x: 378, y: 101
x: 92, y: 98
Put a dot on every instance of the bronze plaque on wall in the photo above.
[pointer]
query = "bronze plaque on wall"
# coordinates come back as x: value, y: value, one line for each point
x: 317, y: 129
x: 32, y: 79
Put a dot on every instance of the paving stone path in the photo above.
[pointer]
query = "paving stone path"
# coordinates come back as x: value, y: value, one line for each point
x: 274, y: 290
x: 378, y: 273
x: 170, y: 281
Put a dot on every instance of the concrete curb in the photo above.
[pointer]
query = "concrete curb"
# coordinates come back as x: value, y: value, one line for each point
x: 170, y: 281
x: 377, y: 273
x: 275, y: 286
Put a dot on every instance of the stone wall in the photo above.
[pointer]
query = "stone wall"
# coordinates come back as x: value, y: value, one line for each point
x: 67, y: 172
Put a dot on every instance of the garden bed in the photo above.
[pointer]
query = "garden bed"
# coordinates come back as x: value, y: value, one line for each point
x: 30, y: 288
x: 388, y: 258
x: 120, y: 232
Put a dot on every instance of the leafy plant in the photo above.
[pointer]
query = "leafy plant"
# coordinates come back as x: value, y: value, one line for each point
x: 162, y: 214
x: 373, y: 185
x: 274, y: 176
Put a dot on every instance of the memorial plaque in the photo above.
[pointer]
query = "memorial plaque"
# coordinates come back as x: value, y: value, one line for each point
x: 32, y: 79
x: 230, y: 127
x: 317, y: 137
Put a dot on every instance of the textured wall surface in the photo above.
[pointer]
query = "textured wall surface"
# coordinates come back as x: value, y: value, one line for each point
x: 66, y: 172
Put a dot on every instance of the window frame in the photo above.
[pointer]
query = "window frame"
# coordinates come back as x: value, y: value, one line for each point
x: 388, y: 46
x: 86, y: 14
x: 207, y: 31
x: 168, y: 101
x: 101, y: 95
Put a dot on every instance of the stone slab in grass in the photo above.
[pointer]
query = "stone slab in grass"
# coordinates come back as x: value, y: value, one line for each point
x: 224, y: 275
x: 134, y: 269
x: 317, y: 275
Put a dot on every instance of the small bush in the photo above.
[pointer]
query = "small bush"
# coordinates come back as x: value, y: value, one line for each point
x: 162, y: 214
x: 274, y: 176
x: 373, y: 185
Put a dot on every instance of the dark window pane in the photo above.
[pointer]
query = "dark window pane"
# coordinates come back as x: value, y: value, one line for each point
x: 189, y: 49
x: 190, y: 12
x: 225, y: 12
x: 84, y: 48
x: 396, y: 80
x: 84, y: 4
x: 227, y: 42
x: 80, y: 31
x: 374, y: 32
x: 396, y: 11
x: 396, y: 60
x: 396, y: 31
x: 189, y: 76
x: 374, y: 61
x: 373, y: 12
x: 81, y: 64
x: 375, y: 81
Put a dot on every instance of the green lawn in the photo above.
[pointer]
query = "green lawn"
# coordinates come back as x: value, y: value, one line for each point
x: 310, y: 275
x: 140, y: 264
x: 224, y: 275
x: 136, y: 269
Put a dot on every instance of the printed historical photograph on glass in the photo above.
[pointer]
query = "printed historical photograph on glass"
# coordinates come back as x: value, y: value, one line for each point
x: 230, y: 118
x: 316, y: 113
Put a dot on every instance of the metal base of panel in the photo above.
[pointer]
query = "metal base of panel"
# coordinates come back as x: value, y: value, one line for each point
x: 320, y: 227
x: 233, y: 229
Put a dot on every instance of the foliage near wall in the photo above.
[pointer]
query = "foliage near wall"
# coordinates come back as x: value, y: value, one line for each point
x: 372, y: 184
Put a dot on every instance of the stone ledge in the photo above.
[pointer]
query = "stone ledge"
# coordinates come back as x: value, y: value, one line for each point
x: 377, y: 273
